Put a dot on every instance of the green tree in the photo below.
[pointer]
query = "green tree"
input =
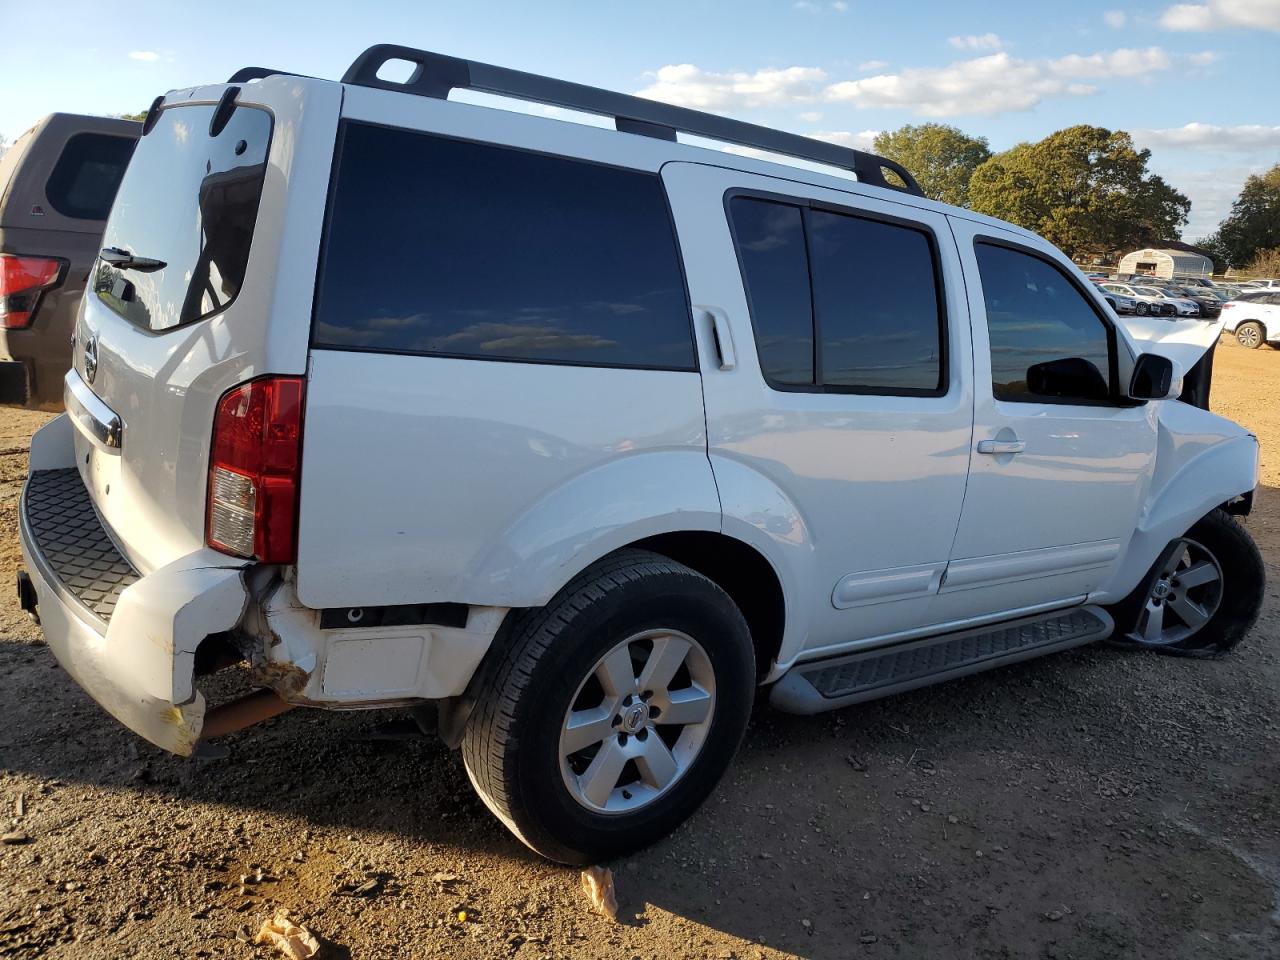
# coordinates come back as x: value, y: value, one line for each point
x: 940, y: 157
x: 1254, y: 222
x: 133, y: 116
x: 1085, y: 189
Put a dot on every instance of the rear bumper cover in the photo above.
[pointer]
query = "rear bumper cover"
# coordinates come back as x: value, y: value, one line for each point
x: 136, y: 655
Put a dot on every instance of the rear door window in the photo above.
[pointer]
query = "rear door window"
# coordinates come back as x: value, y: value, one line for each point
x: 866, y: 291
x: 87, y: 175
x: 451, y: 248
x: 189, y: 200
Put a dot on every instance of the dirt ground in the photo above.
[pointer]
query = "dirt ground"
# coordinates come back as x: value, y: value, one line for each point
x: 1092, y: 804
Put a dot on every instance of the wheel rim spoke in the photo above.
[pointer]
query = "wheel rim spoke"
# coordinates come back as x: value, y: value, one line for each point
x: 665, y: 659
x: 656, y: 764
x: 616, y: 673
x: 1197, y: 575
x: 599, y: 779
x: 690, y: 705
x: 1175, y: 559
x: 1192, y: 614
x: 587, y: 727
x: 1152, y: 629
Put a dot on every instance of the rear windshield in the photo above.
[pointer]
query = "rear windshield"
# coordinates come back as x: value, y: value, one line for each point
x: 85, y: 178
x: 190, y: 201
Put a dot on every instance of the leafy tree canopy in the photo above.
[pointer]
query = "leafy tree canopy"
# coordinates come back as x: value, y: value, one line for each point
x: 1254, y: 222
x: 1085, y: 189
x: 941, y: 157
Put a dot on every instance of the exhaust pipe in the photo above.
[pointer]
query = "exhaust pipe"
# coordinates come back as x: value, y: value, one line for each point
x: 244, y: 712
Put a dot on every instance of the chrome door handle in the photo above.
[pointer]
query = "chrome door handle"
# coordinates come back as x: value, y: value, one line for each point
x: 997, y: 447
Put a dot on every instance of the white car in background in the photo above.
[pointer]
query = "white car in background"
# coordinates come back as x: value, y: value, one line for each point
x: 1254, y: 319
x: 1181, y: 305
x: 1144, y: 303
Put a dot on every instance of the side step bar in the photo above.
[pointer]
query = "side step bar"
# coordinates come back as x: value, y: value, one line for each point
x: 870, y: 674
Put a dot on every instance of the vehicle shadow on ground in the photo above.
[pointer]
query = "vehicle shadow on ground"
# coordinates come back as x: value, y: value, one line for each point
x: 989, y: 813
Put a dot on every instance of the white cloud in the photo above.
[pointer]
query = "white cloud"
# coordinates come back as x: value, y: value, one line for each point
x: 688, y: 86
x: 1221, y: 15
x: 1116, y: 63
x: 1202, y: 59
x: 992, y: 84
x: 1116, y: 19
x: 997, y: 83
x: 1195, y: 136
x: 811, y: 6
x: 147, y: 56
x: 984, y: 41
x: 859, y: 141
x: 871, y: 66
x: 811, y: 116
x: 840, y: 6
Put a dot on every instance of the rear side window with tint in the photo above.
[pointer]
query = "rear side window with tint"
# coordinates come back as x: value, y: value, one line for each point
x: 190, y: 201
x: 867, y: 290
x: 87, y: 175
x: 444, y: 247
x: 775, y: 270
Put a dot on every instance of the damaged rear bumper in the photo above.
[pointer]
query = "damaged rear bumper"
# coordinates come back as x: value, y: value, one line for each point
x: 129, y: 641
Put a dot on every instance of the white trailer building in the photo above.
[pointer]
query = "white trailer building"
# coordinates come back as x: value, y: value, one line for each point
x: 1166, y: 263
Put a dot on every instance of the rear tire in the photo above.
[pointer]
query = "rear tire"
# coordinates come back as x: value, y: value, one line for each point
x: 568, y: 746
x: 1249, y: 335
x: 1142, y: 309
x: 1202, y: 595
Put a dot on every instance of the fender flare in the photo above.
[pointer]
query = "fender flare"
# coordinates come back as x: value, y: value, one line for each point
x: 1208, y: 480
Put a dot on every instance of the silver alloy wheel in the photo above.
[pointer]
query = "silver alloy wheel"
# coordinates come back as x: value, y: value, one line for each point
x: 1248, y: 336
x: 1186, y: 593
x: 637, y: 721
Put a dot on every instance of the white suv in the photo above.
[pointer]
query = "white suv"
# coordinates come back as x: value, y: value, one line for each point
x: 579, y: 437
x: 1254, y: 318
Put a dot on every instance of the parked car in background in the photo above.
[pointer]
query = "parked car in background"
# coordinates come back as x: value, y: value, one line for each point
x: 1118, y: 302
x: 1261, y: 284
x: 1206, y: 299
x: 1144, y: 304
x: 1254, y: 319
x: 57, y: 183
x: 1182, y: 306
x: 579, y: 439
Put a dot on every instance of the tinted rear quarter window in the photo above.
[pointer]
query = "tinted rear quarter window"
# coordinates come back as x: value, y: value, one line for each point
x: 191, y: 201
x: 451, y: 248
x: 87, y: 175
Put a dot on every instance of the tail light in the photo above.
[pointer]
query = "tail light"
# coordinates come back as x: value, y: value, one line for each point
x: 255, y: 462
x: 23, y: 280
x: 1228, y: 305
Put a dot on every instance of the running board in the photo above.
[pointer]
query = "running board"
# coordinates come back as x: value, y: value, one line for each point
x: 839, y: 681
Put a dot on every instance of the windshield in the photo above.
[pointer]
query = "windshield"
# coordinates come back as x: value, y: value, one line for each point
x: 190, y: 201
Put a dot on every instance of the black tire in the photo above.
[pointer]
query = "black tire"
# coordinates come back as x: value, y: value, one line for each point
x: 1250, y: 335
x: 511, y: 744
x: 1244, y: 581
x: 1141, y: 308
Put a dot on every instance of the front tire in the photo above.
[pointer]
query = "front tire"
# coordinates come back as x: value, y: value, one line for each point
x: 1142, y: 309
x: 1249, y: 335
x: 614, y: 710
x: 1204, y: 592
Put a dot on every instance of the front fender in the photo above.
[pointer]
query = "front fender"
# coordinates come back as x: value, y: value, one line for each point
x: 591, y: 515
x: 1202, y: 461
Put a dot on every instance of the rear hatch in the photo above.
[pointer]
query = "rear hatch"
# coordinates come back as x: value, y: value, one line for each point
x: 212, y: 244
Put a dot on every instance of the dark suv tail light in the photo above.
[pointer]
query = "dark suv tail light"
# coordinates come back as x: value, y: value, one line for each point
x: 22, y: 282
x: 255, y: 462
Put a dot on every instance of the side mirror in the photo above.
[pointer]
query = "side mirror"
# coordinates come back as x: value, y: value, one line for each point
x: 1153, y: 378
x: 1072, y: 377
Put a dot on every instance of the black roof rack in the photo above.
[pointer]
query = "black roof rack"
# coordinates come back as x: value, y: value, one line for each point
x: 435, y: 75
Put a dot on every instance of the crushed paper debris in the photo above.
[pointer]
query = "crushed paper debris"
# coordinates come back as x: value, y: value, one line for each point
x: 597, y: 884
x: 293, y: 941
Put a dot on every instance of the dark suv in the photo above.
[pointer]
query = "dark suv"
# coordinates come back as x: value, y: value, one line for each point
x: 57, y: 184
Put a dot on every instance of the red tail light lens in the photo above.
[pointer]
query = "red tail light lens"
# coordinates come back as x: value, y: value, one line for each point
x: 255, y: 462
x: 22, y: 282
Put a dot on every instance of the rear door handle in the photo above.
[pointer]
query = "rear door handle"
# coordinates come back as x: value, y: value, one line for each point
x: 997, y: 447
x: 722, y: 337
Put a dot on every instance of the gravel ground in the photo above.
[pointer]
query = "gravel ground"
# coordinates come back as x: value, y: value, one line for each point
x: 1091, y: 804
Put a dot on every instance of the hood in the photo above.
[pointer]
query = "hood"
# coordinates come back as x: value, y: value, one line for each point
x: 1183, y: 342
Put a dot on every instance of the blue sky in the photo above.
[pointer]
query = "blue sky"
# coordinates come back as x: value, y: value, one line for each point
x: 1195, y: 82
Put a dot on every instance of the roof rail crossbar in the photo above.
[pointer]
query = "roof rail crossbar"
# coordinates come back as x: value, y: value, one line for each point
x: 435, y: 75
